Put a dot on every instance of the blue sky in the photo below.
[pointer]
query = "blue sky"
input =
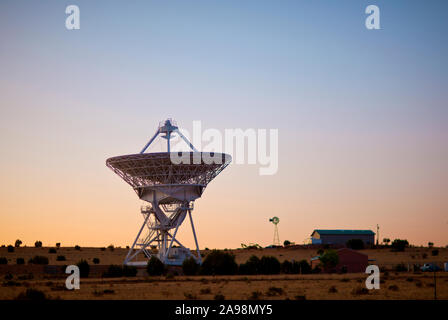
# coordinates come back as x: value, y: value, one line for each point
x: 371, y: 101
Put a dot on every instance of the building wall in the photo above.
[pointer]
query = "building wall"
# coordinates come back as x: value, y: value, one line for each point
x: 350, y: 261
x: 342, y: 239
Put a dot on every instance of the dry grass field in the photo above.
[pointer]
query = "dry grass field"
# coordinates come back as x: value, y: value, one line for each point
x: 401, y: 286
x: 394, y: 285
x: 382, y: 257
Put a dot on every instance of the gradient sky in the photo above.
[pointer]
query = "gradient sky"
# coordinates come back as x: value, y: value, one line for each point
x: 362, y: 115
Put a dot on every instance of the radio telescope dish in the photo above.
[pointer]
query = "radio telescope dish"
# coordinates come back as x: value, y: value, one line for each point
x: 169, y: 183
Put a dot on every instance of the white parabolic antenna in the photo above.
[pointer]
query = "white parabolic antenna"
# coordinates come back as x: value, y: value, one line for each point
x: 169, y: 189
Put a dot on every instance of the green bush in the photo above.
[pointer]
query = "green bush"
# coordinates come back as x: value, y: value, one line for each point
x: 32, y: 294
x: 265, y: 265
x: 38, y: 244
x: 219, y: 297
x: 129, y: 271
x: 316, y: 270
x: 20, y: 261
x: 84, y: 268
x: 393, y: 287
x: 287, y: 267
x: 332, y: 289
x: 219, y: 263
x: 77, y: 247
x: 11, y: 283
x: 269, y: 265
x: 190, y: 296
x: 399, y: 245
x: 400, y: 267
x: 60, y: 258
x: 205, y: 291
x: 274, y: 291
x: 10, y: 248
x: 252, y: 266
x: 28, y: 276
x: 360, y: 291
x: 113, y: 271
x: 155, y: 267
x: 38, y: 260
x: 190, y: 267
x: 355, y: 244
x: 255, y: 295
x: 242, y: 269
x: 329, y: 259
x: 3, y: 260
x: 108, y: 291
x: 302, y: 267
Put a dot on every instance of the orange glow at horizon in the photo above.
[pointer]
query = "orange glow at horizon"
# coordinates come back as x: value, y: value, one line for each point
x: 361, y: 116
x: 58, y: 189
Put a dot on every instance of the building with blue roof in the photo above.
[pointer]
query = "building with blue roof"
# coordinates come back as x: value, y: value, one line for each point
x: 341, y: 236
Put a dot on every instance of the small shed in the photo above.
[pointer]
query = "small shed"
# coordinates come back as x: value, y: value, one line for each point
x: 350, y: 261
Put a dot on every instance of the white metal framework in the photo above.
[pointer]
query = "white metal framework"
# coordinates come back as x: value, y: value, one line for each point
x: 170, y: 190
x: 275, y: 221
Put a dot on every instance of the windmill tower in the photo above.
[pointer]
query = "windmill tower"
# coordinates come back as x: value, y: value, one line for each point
x: 377, y: 234
x: 275, y: 221
x: 169, y: 188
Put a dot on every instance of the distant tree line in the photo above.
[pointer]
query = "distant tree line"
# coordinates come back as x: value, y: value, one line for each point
x: 223, y: 263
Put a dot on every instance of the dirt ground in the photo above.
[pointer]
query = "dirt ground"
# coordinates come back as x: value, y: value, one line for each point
x: 402, y: 285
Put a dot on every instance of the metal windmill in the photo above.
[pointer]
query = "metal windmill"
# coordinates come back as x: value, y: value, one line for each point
x: 275, y: 221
